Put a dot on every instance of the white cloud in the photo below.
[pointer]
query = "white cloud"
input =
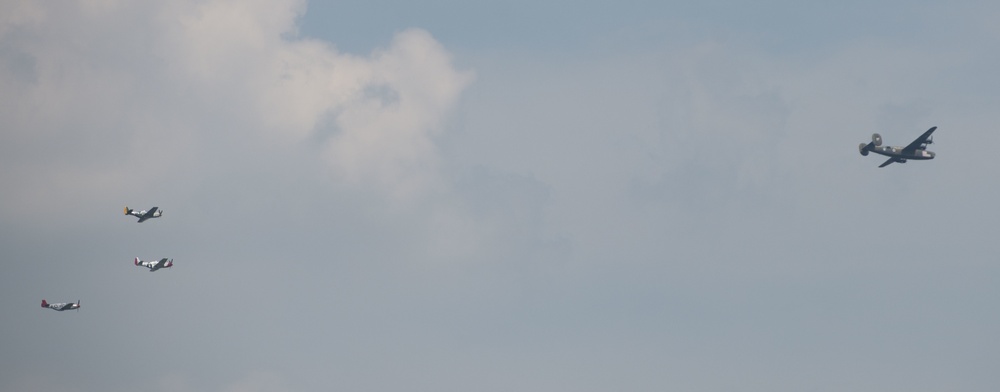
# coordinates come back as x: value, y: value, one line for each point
x: 386, y: 130
x: 384, y: 108
x: 103, y: 86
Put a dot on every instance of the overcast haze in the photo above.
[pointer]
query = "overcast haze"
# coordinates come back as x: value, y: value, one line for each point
x: 485, y: 196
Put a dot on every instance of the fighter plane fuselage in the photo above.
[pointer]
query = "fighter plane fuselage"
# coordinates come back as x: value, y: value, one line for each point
x: 155, y: 265
x: 154, y: 212
x: 61, y: 306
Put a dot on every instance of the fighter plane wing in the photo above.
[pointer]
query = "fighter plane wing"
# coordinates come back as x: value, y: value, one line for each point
x: 161, y: 263
x: 149, y: 214
x: 915, y: 145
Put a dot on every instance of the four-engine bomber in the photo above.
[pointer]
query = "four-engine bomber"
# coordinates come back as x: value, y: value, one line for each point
x: 915, y: 150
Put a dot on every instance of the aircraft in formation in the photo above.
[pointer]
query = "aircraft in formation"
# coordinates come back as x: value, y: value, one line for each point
x: 917, y: 149
x: 154, y: 212
x: 155, y: 265
x: 143, y: 215
x: 62, y: 305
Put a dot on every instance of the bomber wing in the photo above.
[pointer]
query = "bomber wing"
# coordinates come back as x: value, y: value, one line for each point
x: 915, y: 145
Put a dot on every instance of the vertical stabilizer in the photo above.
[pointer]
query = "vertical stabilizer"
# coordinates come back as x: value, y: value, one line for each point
x: 45, y: 304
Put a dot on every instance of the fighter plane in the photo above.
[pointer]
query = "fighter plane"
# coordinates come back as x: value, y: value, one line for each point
x: 154, y: 212
x: 155, y: 265
x: 915, y: 150
x: 61, y: 306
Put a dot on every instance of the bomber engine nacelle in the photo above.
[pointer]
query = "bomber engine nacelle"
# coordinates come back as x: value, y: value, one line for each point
x: 863, y: 149
x: 876, y: 139
x: 926, y: 143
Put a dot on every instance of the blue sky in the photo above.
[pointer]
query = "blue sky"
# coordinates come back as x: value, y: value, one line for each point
x: 525, y: 196
x: 562, y: 28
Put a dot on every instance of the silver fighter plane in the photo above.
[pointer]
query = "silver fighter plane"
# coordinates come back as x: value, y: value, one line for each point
x: 154, y: 212
x: 61, y: 306
x: 915, y: 150
x: 155, y: 265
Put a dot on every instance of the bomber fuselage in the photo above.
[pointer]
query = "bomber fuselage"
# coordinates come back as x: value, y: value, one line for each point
x: 897, y: 152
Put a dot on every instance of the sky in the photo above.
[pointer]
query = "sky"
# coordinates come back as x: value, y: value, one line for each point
x: 483, y: 196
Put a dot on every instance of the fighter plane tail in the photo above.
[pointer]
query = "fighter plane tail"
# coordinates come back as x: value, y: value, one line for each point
x: 128, y: 211
x: 45, y: 304
x: 137, y: 261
